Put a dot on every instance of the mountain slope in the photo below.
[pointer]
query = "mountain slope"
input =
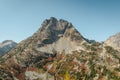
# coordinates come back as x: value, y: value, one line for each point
x: 6, y: 45
x: 57, y: 51
x: 114, y: 41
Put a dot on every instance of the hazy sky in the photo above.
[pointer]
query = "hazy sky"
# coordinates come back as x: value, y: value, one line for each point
x: 95, y: 19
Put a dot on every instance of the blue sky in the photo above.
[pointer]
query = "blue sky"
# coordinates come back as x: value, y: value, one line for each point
x: 95, y: 19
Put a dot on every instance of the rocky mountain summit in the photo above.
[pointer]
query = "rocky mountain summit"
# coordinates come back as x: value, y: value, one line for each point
x: 114, y: 41
x: 57, y: 51
x: 58, y: 35
x: 6, y: 46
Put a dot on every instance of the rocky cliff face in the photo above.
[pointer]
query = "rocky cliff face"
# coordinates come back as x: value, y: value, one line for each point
x: 58, y: 35
x: 114, y: 41
x: 6, y: 46
x: 57, y: 51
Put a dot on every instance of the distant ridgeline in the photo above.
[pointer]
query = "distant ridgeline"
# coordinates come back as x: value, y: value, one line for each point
x: 6, y: 46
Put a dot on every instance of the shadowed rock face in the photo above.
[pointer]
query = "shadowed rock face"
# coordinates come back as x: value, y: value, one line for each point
x: 6, y: 46
x: 114, y: 41
x: 55, y: 29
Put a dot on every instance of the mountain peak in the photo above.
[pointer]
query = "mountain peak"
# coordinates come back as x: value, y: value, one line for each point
x: 48, y: 21
x: 53, y: 19
x: 7, y: 41
x: 54, y: 27
x: 60, y: 31
x: 6, y: 45
x: 53, y: 23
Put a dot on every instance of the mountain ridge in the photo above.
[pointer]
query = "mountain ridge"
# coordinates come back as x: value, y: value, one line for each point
x: 6, y: 46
